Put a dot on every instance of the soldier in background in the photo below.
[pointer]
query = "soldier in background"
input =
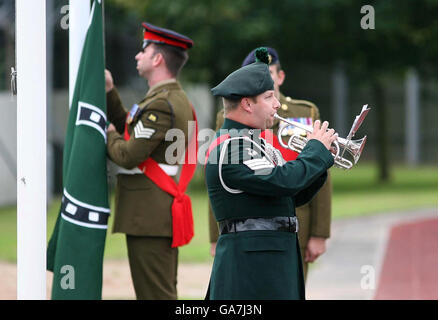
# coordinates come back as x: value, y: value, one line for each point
x: 144, y: 211
x: 254, y: 191
x: 314, y: 217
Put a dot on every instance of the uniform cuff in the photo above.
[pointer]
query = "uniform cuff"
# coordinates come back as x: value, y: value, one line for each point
x: 324, y: 154
x: 325, y: 236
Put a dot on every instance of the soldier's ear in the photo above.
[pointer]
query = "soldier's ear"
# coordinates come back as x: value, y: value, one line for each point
x: 246, y: 104
x: 157, y: 59
x: 281, y: 77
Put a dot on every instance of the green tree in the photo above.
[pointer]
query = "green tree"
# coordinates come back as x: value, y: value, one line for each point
x: 317, y: 31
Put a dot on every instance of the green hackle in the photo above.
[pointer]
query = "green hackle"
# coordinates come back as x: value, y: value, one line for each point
x: 262, y: 55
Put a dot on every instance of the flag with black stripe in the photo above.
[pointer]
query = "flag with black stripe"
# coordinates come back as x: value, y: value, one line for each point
x: 76, y: 248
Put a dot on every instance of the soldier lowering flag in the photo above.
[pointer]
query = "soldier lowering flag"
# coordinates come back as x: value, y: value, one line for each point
x: 75, y: 250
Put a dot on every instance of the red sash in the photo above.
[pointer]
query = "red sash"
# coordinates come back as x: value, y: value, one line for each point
x: 214, y: 144
x: 287, y: 154
x: 182, y: 217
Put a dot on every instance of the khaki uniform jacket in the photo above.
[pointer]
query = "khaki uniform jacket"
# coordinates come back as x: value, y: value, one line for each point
x: 314, y: 217
x: 141, y: 207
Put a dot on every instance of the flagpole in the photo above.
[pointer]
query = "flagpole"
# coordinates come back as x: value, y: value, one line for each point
x: 31, y: 149
x: 79, y: 15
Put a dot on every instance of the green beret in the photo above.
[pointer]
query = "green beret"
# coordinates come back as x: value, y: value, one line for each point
x: 248, y: 81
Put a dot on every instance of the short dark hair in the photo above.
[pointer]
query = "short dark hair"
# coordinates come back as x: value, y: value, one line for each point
x: 230, y: 104
x: 277, y: 64
x: 174, y: 57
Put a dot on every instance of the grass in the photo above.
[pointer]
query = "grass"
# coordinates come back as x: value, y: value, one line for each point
x: 355, y: 193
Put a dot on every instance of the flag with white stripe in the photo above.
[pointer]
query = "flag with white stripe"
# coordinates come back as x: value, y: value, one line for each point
x: 75, y: 250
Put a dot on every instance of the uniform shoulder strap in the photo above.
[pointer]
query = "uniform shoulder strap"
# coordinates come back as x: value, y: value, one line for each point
x: 172, y: 113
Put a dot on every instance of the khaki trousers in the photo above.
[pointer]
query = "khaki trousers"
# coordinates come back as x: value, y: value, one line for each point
x: 153, y: 263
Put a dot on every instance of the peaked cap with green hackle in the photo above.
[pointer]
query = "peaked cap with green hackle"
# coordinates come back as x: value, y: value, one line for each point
x: 248, y: 81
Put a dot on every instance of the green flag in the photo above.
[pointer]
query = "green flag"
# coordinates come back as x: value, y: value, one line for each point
x: 75, y: 250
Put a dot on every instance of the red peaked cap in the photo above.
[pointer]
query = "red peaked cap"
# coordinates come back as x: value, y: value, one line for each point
x: 161, y: 35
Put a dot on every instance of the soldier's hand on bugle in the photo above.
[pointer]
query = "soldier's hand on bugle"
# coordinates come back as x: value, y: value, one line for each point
x: 320, y: 133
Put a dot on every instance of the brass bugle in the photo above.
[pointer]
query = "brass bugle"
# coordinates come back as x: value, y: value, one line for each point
x: 298, y: 142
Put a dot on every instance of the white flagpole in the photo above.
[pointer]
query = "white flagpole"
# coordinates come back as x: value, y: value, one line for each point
x: 31, y: 148
x: 79, y: 15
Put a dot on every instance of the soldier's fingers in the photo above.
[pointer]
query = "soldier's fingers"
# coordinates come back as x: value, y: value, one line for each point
x: 334, y: 137
x: 316, y: 125
x: 307, y: 255
x: 330, y: 132
x: 324, y: 126
x: 108, y: 74
x: 311, y: 258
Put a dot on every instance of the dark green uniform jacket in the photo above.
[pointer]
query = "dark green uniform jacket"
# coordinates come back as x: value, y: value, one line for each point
x: 142, y: 208
x: 315, y: 216
x: 260, y: 264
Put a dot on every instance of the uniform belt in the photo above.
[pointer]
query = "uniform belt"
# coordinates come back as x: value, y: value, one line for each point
x: 171, y: 170
x: 285, y: 224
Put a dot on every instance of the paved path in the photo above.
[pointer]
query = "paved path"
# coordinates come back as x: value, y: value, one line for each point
x: 117, y: 284
x: 409, y: 269
x: 361, y: 252
x: 351, y: 267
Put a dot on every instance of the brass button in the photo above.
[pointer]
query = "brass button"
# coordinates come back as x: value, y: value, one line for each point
x: 284, y: 106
